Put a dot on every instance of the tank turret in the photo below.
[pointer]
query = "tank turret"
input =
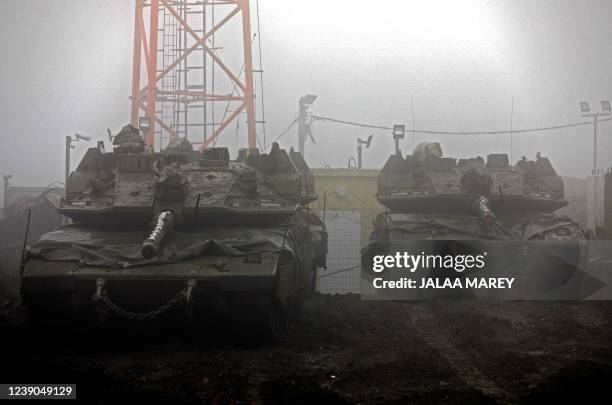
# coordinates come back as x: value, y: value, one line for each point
x: 428, y: 182
x: 131, y: 187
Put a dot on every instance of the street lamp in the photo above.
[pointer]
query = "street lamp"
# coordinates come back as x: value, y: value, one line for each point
x: 585, y: 111
x: 398, y: 133
x: 69, y: 145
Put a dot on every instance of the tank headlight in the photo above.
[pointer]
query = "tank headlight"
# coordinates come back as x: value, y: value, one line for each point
x: 239, y: 204
x: 558, y: 234
x: 410, y: 193
x: 252, y: 257
x: 563, y: 232
x: 270, y: 205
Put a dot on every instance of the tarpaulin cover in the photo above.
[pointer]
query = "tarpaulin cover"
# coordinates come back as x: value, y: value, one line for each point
x: 121, y: 249
x: 521, y: 227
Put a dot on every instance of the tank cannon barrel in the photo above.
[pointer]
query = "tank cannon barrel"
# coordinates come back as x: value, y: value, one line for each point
x: 164, y: 224
x: 482, y: 208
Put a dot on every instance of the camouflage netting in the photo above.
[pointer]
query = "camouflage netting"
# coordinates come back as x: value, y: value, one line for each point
x: 121, y: 249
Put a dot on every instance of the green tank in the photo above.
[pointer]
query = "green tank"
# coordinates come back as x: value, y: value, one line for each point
x: 179, y: 234
x: 429, y: 197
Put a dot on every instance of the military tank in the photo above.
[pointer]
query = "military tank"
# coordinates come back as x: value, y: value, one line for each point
x: 179, y: 235
x: 443, y: 205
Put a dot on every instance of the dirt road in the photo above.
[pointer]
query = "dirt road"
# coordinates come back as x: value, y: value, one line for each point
x: 343, y: 350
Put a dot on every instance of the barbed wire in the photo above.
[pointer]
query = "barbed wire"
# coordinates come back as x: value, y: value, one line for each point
x: 332, y: 212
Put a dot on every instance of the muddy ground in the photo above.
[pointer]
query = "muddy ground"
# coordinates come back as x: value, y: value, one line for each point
x: 343, y: 350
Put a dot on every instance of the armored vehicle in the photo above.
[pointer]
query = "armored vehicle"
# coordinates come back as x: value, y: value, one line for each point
x: 180, y: 233
x: 429, y: 197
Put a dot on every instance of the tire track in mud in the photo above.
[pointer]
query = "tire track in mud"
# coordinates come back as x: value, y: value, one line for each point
x: 429, y: 329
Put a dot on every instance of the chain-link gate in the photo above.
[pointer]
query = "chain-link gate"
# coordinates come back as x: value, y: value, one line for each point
x: 343, y: 256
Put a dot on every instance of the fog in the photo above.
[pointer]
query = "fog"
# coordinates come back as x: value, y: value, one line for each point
x: 66, y: 68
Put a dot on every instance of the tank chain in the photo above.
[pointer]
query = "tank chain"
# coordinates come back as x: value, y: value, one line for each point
x: 100, y: 297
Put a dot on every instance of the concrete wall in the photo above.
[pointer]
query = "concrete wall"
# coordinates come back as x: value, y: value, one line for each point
x: 349, y: 190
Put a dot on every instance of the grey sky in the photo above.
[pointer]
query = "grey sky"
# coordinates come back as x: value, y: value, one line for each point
x: 66, y: 67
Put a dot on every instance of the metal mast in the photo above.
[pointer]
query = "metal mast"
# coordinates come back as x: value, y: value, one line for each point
x: 184, y: 75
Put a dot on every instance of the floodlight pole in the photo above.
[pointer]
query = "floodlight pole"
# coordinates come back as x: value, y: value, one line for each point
x: 303, y: 123
x: 360, y: 143
x: 587, y: 113
x: 67, y: 167
x: 398, y: 133
x: 6, y: 179
x: 302, y: 127
x: 69, y: 140
x: 595, y: 143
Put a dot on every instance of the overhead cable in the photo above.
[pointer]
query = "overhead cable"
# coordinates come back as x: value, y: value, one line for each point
x: 286, y: 130
x: 431, y: 132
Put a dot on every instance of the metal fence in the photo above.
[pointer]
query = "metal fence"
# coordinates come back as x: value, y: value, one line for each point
x: 343, y: 257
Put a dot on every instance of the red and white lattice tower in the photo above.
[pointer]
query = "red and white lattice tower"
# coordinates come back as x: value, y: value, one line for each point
x: 184, y: 86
